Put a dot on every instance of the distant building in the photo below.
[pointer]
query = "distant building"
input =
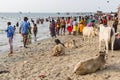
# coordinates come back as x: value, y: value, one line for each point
x: 99, y: 13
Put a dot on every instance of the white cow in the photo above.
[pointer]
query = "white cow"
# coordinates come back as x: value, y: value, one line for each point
x: 89, y: 32
x: 106, y: 34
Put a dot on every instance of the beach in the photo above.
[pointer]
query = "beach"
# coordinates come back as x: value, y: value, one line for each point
x: 38, y: 63
x: 60, y: 40
x: 37, y: 60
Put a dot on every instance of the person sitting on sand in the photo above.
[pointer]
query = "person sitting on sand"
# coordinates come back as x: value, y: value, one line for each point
x: 116, y: 45
x: 117, y: 42
x: 10, y: 33
x: 59, y: 48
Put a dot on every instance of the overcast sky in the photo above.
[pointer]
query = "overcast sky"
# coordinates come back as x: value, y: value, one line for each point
x: 58, y: 5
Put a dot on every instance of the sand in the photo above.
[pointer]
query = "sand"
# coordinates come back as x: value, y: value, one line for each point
x: 37, y: 62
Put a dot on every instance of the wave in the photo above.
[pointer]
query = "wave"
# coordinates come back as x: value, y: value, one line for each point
x: 3, y: 44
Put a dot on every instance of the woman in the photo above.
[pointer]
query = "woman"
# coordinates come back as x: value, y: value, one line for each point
x: 81, y: 26
x: 69, y: 25
x: 75, y: 24
x: 52, y: 28
x: 59, y: 48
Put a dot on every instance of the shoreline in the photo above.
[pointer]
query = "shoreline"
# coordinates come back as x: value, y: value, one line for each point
x: 16, y: 40
x: 16, y: 47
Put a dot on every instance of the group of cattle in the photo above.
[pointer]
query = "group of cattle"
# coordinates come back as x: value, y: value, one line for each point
x: 106, y: 34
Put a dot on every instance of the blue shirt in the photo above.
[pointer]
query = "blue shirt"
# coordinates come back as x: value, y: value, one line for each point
x: 24, y: 27
x: 10, y: 31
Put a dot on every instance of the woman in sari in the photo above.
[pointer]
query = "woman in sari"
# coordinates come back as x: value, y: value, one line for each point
x: 69, y: 25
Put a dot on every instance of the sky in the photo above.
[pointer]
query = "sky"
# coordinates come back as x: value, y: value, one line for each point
x: 58, y: 5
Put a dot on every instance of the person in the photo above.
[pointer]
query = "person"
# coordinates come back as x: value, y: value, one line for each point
x: 117, y: 42
x: 52, y: 28
x: 10, y: 33
x: 59, y: 48
x: 100, y: 21
x: 58, y: 26
x: 32, y: 21
x: 24, y: 29
x: 63, y: 25
x: 69, y: 25
x: 81, y: 25
x: 29, y: 38
x: 115, y: 24
x: 17, y: 24
x: 14, y: 28
x: 91, y: 24
x: 75, y: 25
x: 116, y: 45
x: 105, y: 21
x: 35, y: 30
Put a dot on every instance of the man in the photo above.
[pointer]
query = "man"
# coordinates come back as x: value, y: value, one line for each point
x: 63, y: 25
x: 10, y: 33
x: 24, y: 29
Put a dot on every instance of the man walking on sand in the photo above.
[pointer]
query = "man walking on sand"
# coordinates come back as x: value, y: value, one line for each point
x: 10, y: 33
x: 24, y: 29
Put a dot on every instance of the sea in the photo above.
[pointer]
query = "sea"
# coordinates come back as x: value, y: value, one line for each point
x: 43, y: 29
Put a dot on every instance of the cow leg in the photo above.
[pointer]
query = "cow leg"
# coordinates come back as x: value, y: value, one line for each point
x: 106, y: 43
x: 112, y: 44
x: 99, y: 45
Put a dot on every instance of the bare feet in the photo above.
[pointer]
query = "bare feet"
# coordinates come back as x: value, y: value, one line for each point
x: 10, y: 54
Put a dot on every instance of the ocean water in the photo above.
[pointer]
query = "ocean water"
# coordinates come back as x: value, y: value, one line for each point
x: 43, y: 29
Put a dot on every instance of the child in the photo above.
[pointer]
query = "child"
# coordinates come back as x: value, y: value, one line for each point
x: 35, y: 31
x: 10, y: 33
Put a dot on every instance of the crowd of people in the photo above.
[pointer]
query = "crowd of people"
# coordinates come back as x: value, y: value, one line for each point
x: 59, y: 26
x: 75, y: 25
x: 24, y: 30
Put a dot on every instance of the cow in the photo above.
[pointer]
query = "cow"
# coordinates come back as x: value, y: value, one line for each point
x: 106, y: 34
x: 89, y: 32
x: 91, y: 65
